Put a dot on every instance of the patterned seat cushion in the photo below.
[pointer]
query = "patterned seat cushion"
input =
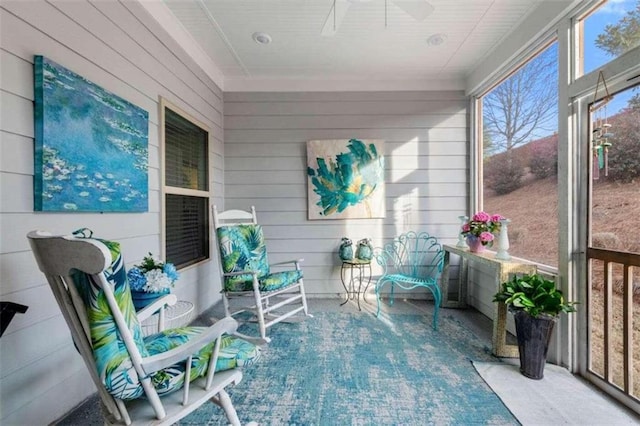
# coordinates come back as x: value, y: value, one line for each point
x: 279, y: 280
x: 242, y: 248
x: 111, y: 356
x: 234, y: 352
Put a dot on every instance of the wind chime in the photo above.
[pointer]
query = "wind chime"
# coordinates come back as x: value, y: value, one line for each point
x: 600, y: 130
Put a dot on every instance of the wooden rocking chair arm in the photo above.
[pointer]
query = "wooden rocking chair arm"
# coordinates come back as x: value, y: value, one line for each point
x: 287, y: 262
x: 147, y: 311
x: 151, y: 364
x: 258, y: 341
x: 235, y: 273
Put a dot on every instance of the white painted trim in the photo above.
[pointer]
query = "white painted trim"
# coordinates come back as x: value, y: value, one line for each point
x: 622, y: 71
x: 565, y: 337
x: 581, y: 192
x: 520, y: 45
x: 163, y: 203
x: 161, y: 13
x: 617, y: 72
x: 224, y: 37
x: 241, y: 84
x: 165, y: 189
x: 475, y: 156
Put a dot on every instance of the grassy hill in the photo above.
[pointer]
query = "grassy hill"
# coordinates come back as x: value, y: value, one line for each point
x: 533, y: 209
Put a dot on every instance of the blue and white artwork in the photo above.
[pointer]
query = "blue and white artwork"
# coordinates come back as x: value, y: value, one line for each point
x: 90, y: 145
x: 346, y: 179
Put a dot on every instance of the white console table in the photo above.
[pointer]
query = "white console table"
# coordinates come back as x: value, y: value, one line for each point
x: 502, y: 270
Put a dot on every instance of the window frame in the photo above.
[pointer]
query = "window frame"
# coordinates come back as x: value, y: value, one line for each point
x: 569, y: 344
x: 172, y: 190
x: 621, y: 73
x: 477, y: 159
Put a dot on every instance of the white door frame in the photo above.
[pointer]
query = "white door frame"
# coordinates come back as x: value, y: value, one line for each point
x: 620, y: 74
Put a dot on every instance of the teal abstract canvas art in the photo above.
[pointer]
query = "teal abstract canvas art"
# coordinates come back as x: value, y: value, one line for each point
x: 346, y: 179
x: 91, y: 150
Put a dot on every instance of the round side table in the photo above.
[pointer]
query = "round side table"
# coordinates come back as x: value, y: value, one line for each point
x: 353, y: 273
x: 175, y: 316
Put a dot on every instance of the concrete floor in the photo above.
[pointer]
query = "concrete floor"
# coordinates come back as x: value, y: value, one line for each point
x: 89, y: 413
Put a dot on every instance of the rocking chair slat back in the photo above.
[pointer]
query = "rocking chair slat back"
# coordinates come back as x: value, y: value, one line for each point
x: 89, y: 283
x: 56, y: 268
x: 247, y: 276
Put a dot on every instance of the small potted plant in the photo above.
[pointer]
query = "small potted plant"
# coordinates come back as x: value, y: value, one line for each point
x: 536, y: 303
x: 150, y: 280
x: 480, y: 230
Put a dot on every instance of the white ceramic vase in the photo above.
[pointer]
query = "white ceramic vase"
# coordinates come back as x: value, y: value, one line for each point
x: 503, y: 241
x: 462, y: 243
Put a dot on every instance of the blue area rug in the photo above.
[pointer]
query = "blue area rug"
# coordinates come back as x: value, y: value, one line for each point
x: 356, y: 369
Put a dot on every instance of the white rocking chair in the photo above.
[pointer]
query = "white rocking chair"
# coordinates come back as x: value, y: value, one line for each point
x: 136, y: 377
x: 246, y: 272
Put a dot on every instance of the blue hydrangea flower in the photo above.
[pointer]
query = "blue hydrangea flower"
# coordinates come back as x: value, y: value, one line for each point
x: 136, y: 278
x: 171, y: 271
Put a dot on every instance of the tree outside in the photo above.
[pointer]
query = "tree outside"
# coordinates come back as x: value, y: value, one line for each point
x: 622, y: 36
x: 524, y: 107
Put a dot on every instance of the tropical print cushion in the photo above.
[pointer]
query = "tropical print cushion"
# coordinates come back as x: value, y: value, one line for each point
x: 112, y: 359
x: 111, y: 356
x: 279, y: 280
x: 234, y: 352
x: 242, y: 248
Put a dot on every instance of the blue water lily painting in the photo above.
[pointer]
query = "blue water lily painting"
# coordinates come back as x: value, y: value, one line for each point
x: 346, y: 179
x: 90, y: 145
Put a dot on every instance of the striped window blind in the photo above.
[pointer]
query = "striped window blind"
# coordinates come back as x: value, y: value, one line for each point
x: 187, y: 235
x: 186, y: 190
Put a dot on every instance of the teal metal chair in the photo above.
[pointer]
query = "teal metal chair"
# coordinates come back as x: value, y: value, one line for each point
x: 137, y: 376
x: 410, y: 261
x: 272, y: 296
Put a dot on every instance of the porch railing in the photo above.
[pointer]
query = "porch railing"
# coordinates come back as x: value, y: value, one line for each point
x: 611, y: 273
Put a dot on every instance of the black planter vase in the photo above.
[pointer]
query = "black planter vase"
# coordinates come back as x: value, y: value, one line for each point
x: 533, y: 336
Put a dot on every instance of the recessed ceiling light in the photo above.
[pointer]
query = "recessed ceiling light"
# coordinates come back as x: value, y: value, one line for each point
x: 436, y: 39
x: 261, y: 38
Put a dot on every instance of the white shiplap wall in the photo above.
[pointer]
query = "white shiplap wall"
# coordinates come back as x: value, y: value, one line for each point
x: 41, y: 374
x: 426, y: 148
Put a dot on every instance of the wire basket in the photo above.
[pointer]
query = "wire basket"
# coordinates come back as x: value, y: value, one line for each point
x: 175, y: 316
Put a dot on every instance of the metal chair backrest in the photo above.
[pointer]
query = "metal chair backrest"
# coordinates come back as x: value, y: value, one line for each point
x: 416, y: 255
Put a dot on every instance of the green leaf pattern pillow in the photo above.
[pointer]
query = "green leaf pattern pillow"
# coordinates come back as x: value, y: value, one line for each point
x: 111, y: 356
x: 243, y: 248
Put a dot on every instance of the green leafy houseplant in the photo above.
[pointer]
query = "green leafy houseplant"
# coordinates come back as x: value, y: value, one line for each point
x: 535, y: 295
x: 535, y: 303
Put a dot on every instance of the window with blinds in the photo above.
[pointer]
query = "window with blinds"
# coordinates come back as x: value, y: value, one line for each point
x: 186, y: 189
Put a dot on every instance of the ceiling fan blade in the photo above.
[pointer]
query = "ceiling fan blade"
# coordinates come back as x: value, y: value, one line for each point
x: 417, y: 9
x: 335, y: 17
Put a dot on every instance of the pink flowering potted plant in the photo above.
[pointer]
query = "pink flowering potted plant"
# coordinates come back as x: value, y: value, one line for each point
x: 480, y: 230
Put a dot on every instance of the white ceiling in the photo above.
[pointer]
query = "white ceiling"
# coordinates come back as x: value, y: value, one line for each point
x: 362, y: 50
